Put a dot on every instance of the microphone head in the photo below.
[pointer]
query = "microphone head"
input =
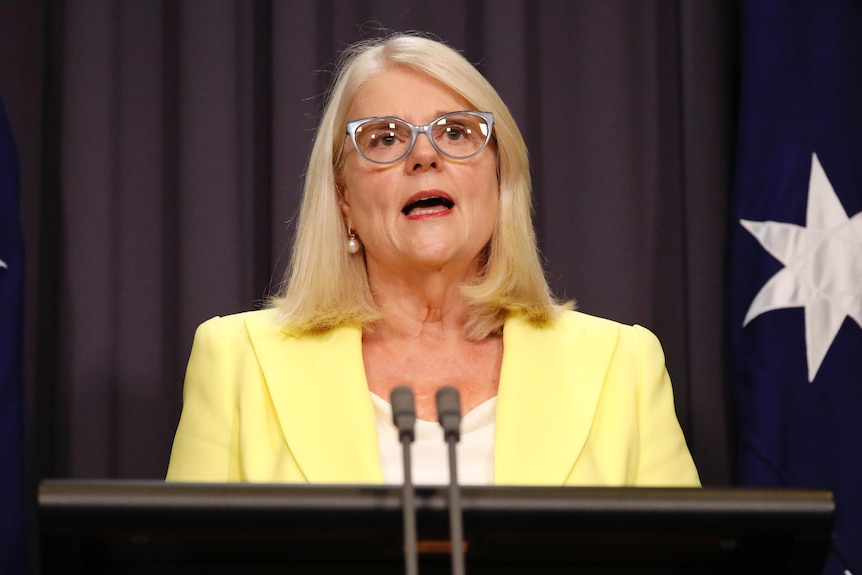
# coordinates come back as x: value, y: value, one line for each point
x: 403, y: 411
x: 449, y: 411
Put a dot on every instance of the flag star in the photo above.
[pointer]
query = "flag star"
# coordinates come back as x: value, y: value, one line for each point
x: 3, y: 265
x: 822, y: 267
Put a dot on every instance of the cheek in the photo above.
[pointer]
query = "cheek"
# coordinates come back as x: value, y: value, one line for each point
x: 484, y: 208
x: 353, y: 193
x: 493, y: 210
x: 489, y: 197
x: 363, y: 201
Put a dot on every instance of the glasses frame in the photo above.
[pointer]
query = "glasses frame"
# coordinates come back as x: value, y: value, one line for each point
x: 488, y: 117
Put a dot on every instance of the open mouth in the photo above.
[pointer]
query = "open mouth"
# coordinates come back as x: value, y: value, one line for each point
x: 427, y: 205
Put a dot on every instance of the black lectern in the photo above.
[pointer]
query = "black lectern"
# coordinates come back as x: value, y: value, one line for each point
x: 148, y: 527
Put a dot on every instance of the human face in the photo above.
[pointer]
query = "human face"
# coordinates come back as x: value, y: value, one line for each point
x: 426, y: 211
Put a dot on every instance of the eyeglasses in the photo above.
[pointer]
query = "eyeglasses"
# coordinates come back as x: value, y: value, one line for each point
x: 386, y: 140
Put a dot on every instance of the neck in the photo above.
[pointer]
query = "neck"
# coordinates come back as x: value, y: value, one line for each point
x: 417, y: 305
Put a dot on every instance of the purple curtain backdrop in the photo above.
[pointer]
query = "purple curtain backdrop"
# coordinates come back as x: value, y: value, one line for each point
x: 163, y: 146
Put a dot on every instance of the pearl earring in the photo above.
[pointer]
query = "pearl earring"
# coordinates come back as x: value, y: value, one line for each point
x: 353, y: 244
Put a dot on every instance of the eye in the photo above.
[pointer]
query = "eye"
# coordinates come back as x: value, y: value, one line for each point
x: 456, y: 132
x: 384, y: 134
x: 382, y: 139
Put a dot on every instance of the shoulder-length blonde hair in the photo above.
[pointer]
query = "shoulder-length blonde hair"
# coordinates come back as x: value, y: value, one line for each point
x: 326, y: 287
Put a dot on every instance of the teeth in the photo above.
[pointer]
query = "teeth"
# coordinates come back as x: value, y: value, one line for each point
x: 420, y: 207
x: 423, y: 211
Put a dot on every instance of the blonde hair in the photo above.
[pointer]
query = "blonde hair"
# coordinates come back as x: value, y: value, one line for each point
x: 326, y: 287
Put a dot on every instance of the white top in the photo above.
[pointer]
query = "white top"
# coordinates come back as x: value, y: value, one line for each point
x: 429, y: 452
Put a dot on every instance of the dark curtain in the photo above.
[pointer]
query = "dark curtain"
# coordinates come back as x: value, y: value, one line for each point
x: 163, y: 148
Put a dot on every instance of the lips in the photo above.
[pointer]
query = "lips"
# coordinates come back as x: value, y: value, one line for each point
x: 424, y: 204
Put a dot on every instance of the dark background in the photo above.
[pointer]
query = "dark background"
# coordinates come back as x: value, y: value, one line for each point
x: 163, y: 144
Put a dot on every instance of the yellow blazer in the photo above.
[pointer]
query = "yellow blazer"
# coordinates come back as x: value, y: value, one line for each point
x: 583, y: 401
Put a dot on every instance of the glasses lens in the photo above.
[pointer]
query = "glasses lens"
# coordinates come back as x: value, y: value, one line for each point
x: 383, y: 140
x: 460, y: 135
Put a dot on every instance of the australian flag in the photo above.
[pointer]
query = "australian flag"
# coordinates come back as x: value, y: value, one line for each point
x: 796, y: 257
x: 12, y: 478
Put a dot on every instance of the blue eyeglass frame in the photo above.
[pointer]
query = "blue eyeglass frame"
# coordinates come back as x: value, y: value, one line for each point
x: 426, y: 129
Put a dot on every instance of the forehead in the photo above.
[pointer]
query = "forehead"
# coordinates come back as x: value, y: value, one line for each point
x: 407, y: 94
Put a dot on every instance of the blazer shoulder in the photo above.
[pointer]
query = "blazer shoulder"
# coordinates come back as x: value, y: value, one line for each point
x: 268, y: 315
x: 237, y: 325
x: 579, y: 323
x: 585, y: 323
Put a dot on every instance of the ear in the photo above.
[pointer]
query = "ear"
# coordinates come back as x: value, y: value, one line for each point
x: 343, y: 204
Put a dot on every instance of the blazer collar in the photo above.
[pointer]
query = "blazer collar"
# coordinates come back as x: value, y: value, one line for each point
x: 550, y: 383
x: 318, y: 387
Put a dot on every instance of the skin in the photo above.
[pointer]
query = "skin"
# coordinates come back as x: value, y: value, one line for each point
x: 417, y: 261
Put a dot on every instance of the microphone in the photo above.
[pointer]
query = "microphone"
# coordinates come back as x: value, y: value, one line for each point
x: 404, y: 417
x: 449, y: 413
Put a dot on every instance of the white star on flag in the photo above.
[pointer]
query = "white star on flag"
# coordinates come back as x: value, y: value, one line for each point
x: 3, y: 265
x: 822, y: 267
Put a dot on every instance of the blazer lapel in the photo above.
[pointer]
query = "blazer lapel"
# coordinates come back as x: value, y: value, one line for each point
x: 318, y: 387
x: 550, y: 383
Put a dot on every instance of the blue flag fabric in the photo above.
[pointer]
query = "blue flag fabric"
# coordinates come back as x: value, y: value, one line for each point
x: 12, y: 475
x: 796, y: 257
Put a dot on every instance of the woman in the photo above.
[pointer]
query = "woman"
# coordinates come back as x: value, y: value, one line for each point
x: 415, y: 263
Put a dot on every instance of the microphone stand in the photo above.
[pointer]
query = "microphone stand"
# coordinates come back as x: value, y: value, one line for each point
x: 404, y: 417
x: 449, y: 413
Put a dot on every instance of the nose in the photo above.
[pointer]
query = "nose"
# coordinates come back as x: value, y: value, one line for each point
x: 423, y: 155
